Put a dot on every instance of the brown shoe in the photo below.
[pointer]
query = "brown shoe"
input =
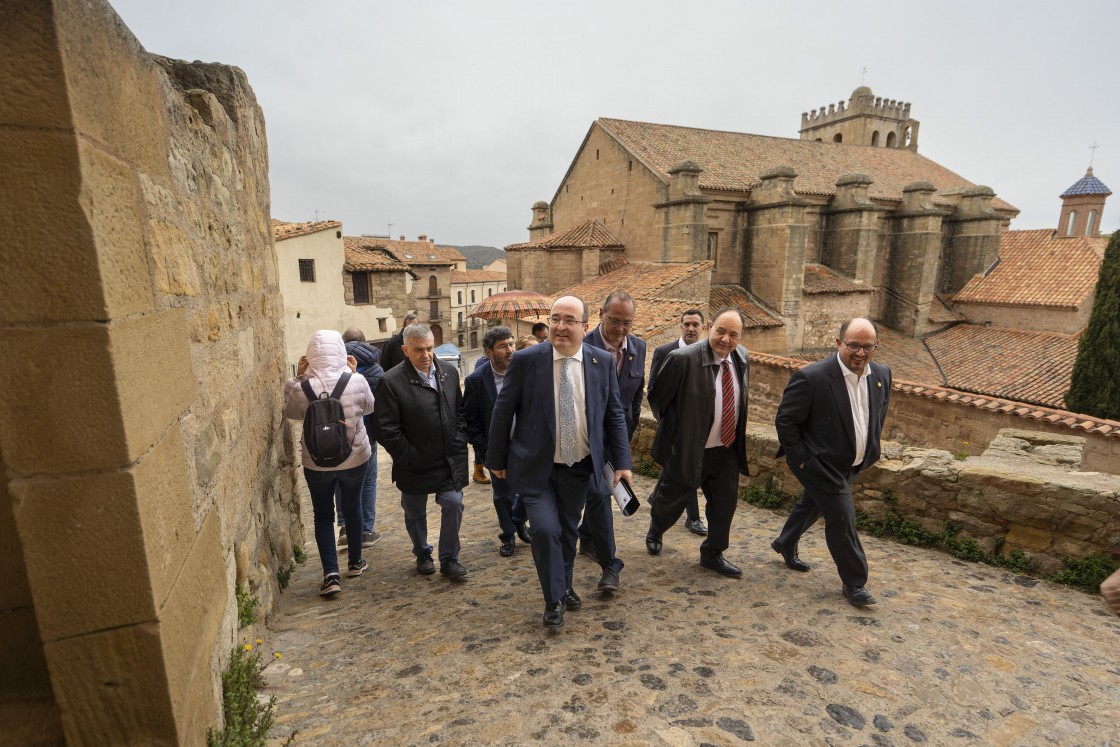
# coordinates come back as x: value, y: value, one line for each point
x: 480, y: 475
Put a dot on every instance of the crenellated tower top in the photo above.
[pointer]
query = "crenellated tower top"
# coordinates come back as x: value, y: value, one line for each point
x: 865, y: 119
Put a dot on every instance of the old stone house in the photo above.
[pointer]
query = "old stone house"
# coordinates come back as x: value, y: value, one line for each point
x: 806, y: 230
x: 432, y: 265
x: 468, y: 288
x: 372, y: 276
x: 318, y: 287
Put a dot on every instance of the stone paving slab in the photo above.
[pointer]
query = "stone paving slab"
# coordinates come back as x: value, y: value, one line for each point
x: 954, y: 653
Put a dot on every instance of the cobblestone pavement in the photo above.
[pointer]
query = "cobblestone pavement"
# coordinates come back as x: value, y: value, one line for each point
x: 954, y: 653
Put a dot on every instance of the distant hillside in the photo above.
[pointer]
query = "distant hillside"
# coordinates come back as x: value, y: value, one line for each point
x: 479, y: 256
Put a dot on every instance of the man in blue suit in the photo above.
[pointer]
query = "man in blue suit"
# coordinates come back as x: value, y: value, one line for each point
x: 480, y: 392
x: 569, y: 422
x: 596, y: 532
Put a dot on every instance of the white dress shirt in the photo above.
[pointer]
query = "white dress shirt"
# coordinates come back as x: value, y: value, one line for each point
x: 714, y: 439
x: 583, y: 445
x: 861, y: 412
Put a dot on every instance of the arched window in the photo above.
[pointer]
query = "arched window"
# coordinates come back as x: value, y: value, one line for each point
x: 837, y: 138
x: 890, y: 139
x: 433, y: 286
x: 875, y: 138
x: 1092, y: 220
x: 907, y: 136
x: 1070, y: 222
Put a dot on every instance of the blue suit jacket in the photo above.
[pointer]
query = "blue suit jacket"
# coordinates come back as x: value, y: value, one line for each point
x: 479, y: 395
x: 632, y: 379
x: 528, y: 394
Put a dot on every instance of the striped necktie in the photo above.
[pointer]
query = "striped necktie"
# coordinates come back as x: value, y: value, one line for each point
x: 727, y: 417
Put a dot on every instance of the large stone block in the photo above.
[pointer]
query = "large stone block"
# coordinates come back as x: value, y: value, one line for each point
x: 131, y: 379
x: 189, y: 625
x: 112, y: 687
x: 69, y: 189
x: 136, y: 526
x: 112, y: 83
x: 24, y: 674
x: 32, y: 88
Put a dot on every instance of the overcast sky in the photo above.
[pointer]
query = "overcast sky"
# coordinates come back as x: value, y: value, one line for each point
x: 452, y: 118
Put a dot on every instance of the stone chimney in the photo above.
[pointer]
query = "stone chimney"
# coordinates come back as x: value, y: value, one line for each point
x: 421, y: 237
x: 542, y: 221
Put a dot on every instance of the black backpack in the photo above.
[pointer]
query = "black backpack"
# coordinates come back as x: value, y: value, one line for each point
x: 324, y: 425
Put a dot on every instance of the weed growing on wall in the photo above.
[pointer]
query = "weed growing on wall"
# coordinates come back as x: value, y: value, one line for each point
x: 766, y: 494
x: 284, y: 575
x: 300, y: 554
x: 246, y: 607
x: 1085, y: 573
x: 247, y: 719
x: 647, y: 468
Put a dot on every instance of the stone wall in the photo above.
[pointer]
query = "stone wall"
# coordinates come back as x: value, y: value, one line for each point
x: 150, y: 473
x: 1065, y: 321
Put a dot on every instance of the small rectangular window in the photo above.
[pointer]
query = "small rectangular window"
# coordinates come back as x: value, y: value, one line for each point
x: 307, y: 271
x: 472, y: 297
x: 713, y: 245
x: 382, y: 324
x: 460, y: 301
x: 361, y: 287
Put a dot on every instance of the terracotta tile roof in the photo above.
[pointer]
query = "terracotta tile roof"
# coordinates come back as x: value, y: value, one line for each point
x: 1038, y: 268
x: 907, y: 358
x: 822, y: 279
x: 733, y: 161
x: 417, y: 252
x: 1087, y: 185
x: 590, y: 233
x: 363, y: 254
x: 477, y: 276
x: 1031, y: 367
x: 940, y: 312
x: 1057, y: 417
x: 733, y: 295
x: 642, y: 280
x: 284, y: 230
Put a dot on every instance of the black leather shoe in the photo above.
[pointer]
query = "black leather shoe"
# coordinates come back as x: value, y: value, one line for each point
x: 609, y: 581
x: 792, y: 561
x: 453, y: 569
x: 524, y: 534
x: 572, y: 602
x: 722, y: 566
x: 696, y: 527
x: 554, y: 614
x: 506, y: 549
x: 425, y: 565
x: 653, y: 541
x: 858, y: 596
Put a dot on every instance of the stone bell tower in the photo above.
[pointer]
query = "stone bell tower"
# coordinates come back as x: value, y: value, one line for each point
x: 865, y: 119
x: 1082, y: 207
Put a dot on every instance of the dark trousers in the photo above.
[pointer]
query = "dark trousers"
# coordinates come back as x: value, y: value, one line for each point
x: 840, y: 534
x: 415, y: 507
x: 719, y: 479
x: 508, y: 506
x: 597, y: 527
x: 321, y: 485
x: 553, y: 515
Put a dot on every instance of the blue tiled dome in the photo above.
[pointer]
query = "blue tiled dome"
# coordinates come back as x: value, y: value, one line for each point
x: 1087, y: 185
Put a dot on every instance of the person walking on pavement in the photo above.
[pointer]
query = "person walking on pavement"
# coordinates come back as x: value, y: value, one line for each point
x: 419, y: 419
x: 700, y: 400
x: 321, y: 368
x: 564, y: 395
x: 480, y: 391
x: 692, y: 331
x: 829, y: 424
x: 369, y: 366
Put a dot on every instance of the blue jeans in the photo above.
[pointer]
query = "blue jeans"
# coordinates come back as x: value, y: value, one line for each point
x: 321, y: 484
x: 369, y: 496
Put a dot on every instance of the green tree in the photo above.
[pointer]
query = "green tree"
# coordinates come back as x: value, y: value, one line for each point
x: 1095, y: 386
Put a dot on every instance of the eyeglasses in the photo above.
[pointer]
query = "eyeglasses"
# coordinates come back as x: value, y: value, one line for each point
x: 855, y: 347
x: 627, y: 323
x: 568, y: 321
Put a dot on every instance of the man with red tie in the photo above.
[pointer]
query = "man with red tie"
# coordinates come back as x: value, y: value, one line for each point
x: 700, y: 400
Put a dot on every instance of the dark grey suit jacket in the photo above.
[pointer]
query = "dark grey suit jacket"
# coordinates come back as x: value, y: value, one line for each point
x: 815, y: 428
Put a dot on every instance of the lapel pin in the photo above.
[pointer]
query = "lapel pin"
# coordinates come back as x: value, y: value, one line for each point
x: 631, y: 358
x: 594, y: 360
x: 879, y: 384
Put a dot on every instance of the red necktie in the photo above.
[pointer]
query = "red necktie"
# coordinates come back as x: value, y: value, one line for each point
x: 727, y: 418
